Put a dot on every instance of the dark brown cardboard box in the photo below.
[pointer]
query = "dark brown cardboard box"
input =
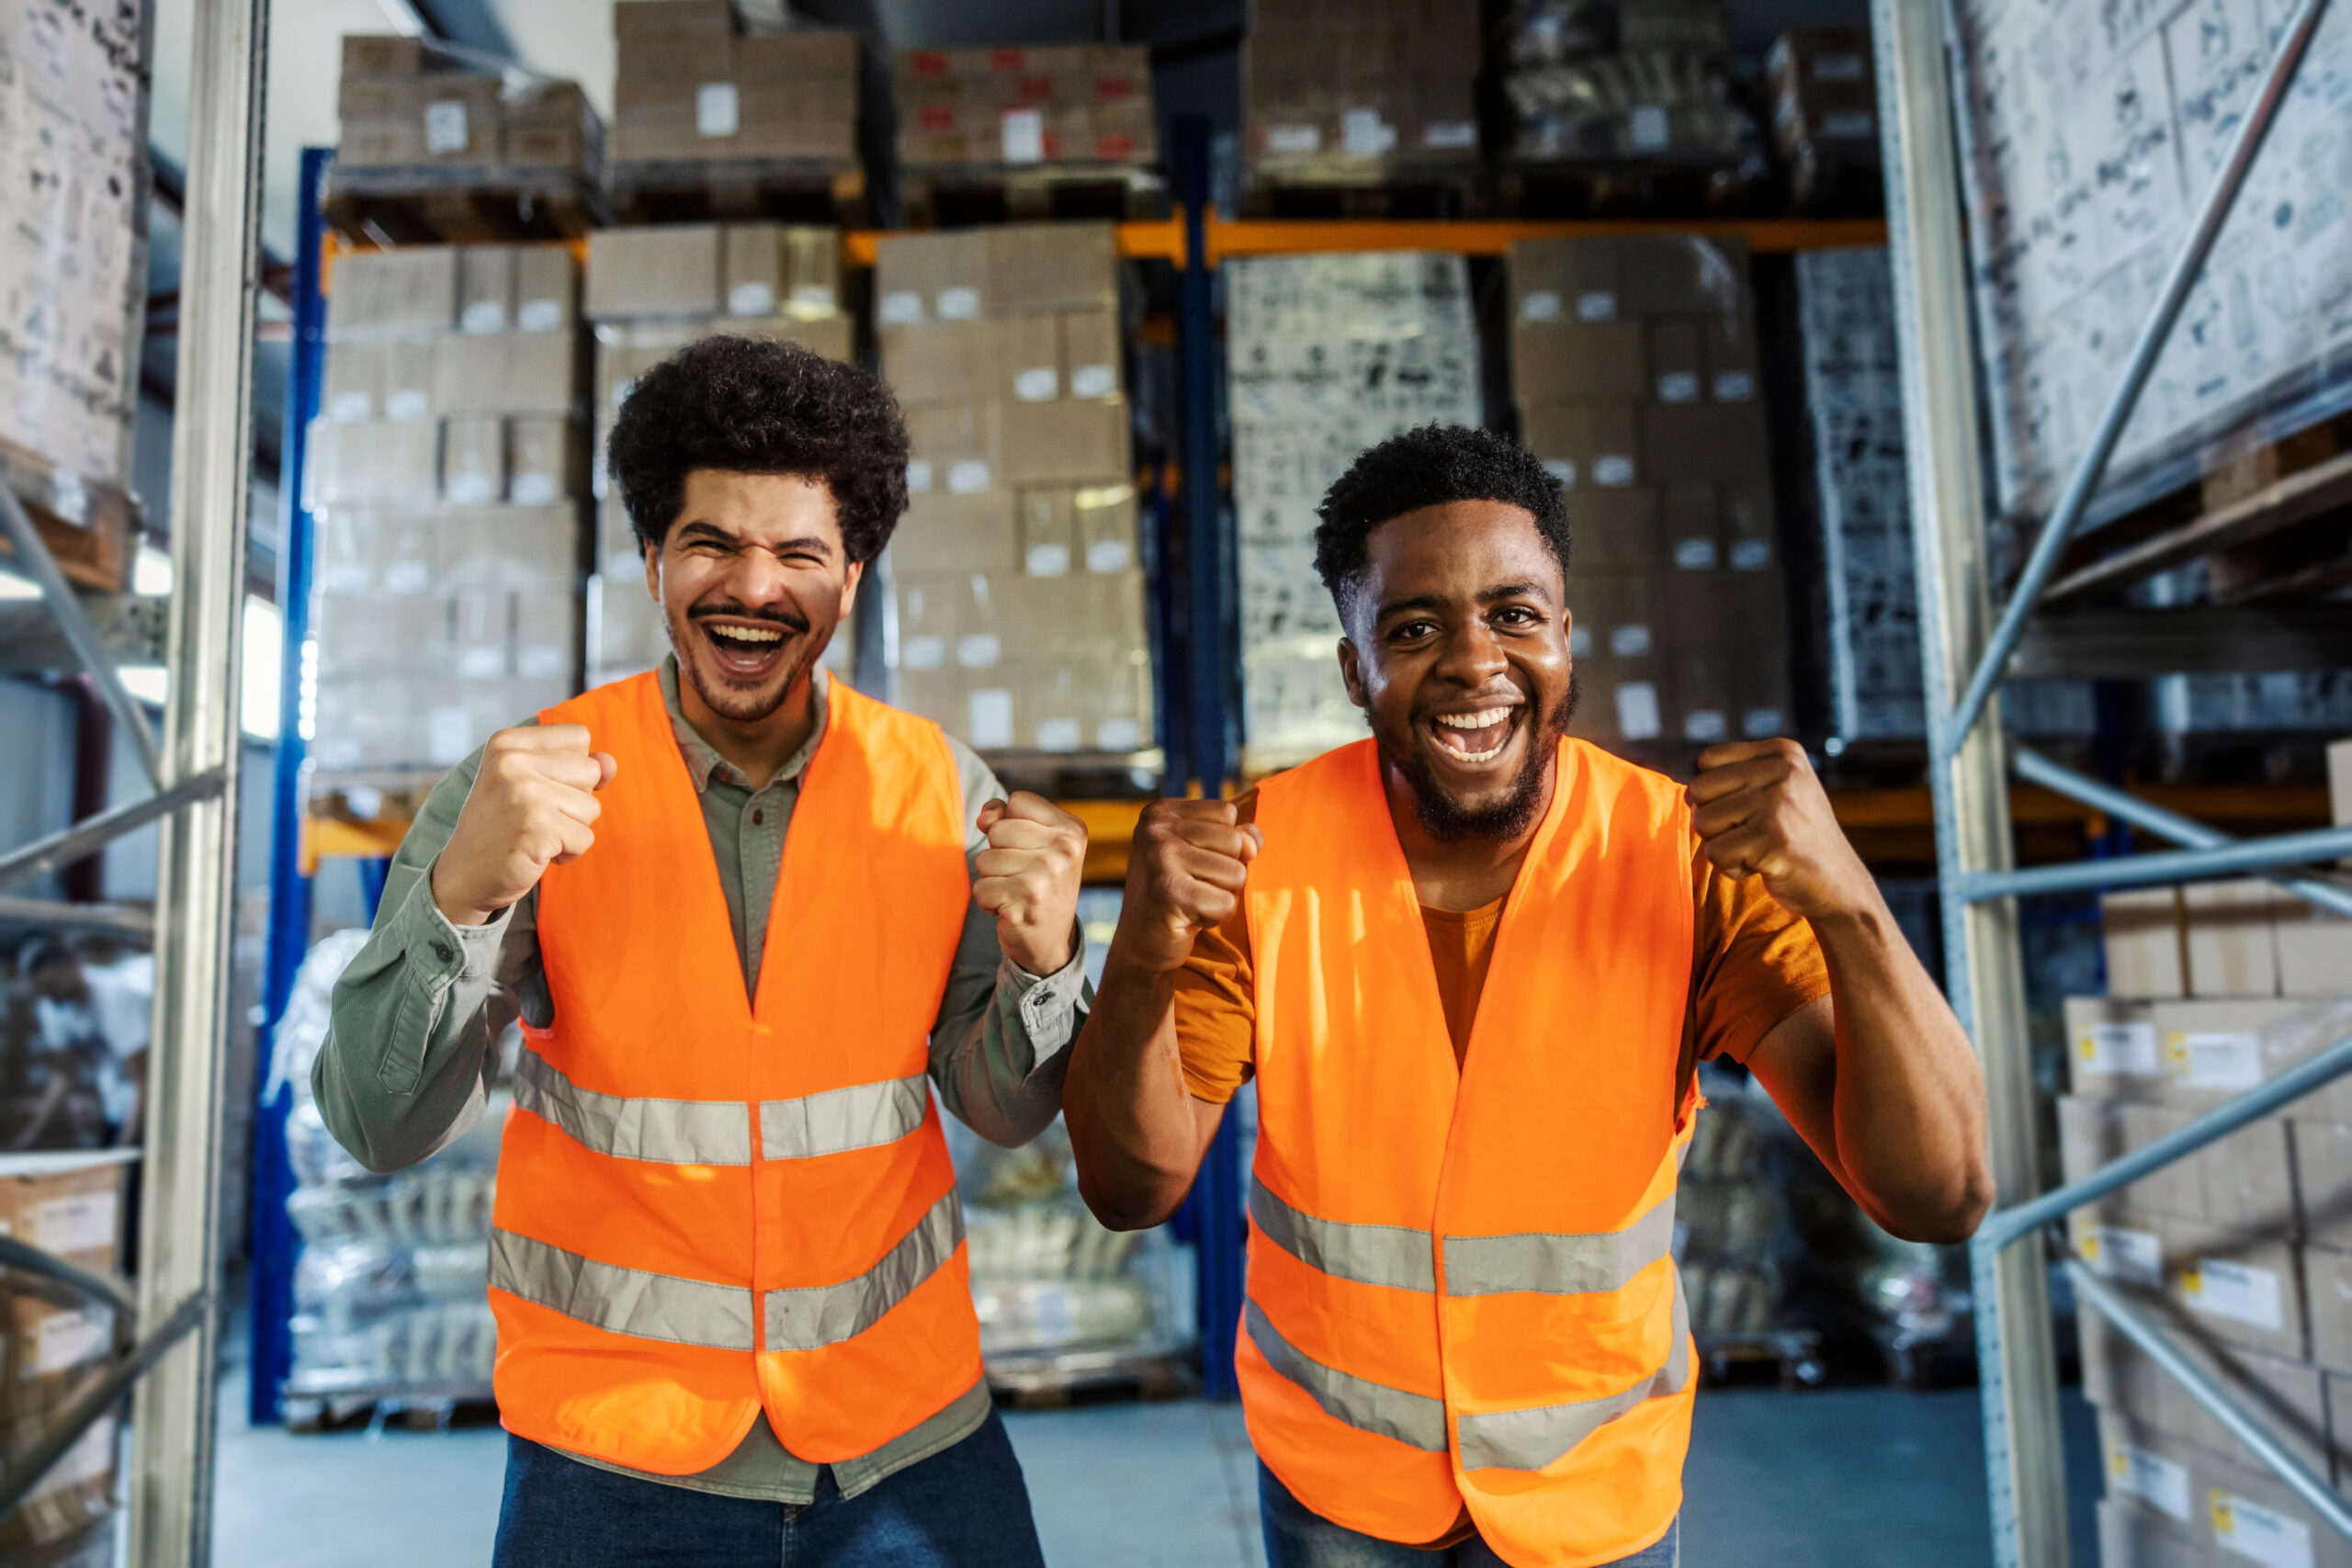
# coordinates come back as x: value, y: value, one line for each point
x: 1553, y: 362
x: 1690, y: 519
x: 1706, y: 443
x: 1564, y: 280
x: 1586, y: 446
x: 1615, y: 530
x: 1676, y: 369
x: 1727, y: 345
x: 1067, y: 442
x: 1749, y: 540
x: 1682, y: 275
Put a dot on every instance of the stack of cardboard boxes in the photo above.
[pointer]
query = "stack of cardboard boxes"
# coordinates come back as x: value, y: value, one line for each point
x: 1326, y: 356
x: 448, y: 474
x: 70, y: 1205
x: 689, y: 87
x: 1342, y: 88
x: 403, y: 103
x: 1068, y: 104
x: 2244, y: 1250
x: 1634, y: 367
x: 1825, y: 110
x: 1021, y: 619
x: 650, y: 292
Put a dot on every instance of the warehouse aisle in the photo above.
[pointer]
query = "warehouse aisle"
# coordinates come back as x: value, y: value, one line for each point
x: 1849, y: 1478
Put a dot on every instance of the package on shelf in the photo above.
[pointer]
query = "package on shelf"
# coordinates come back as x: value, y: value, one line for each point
x: 1061, y: 103
x: 2171, y: 1501
x: 2245, y: 938
x: 403, y: 102
x: 2119, y: 1378
x: 1340, y: 87
x: 1823, y: 103
x: 1730, y: 1225
x: 697, y: 270
x: 1648, y: 82
x: 74, y: 1016
x: 73, y: 240
x: 691, y: 87
x: 1326, y: 355
x: 390, y: 1289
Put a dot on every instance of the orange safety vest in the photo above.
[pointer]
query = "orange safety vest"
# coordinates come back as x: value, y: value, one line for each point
x: 1462, y: 1288
x: 708, y: 1206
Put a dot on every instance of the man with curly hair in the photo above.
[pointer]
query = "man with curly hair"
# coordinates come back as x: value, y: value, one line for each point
x: 751, y: 922
x: 1472, y: 964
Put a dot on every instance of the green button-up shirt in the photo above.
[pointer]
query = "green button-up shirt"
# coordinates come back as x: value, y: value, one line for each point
x: 412, y: 1048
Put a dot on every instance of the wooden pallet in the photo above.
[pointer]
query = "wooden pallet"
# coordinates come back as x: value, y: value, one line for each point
x: 1367, y: 188
x: 951, y: 194
x: 463, y: 203
x: 723, y: 190
x: 422, y: 1408
x: 1567, y: 190
x: 92, y: 530
x: 1044, y: 1382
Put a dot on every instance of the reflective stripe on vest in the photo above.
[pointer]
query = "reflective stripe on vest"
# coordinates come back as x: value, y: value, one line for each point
x: 810, y: 1317
x: 717, y: 1131
x: 621, y: 1301
x: 1475, y: 1264
x: 1530, y: 1439
x: 1368, y: 1407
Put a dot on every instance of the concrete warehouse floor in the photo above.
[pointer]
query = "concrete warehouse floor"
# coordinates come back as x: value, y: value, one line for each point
x: 1845, y: 1478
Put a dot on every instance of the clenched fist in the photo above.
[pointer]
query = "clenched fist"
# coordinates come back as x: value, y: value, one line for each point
x: 1028, y: 877
x: 530, y: 808
x: 1759, y: 810
x: 1185, y: 873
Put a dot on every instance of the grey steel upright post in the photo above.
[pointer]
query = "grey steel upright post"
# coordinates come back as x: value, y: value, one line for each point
x: 179, y: 1242
x: 1984, y: 973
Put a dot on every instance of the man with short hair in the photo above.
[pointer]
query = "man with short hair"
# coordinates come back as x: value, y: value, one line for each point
x: 750, y: 919
x: 1472, y: 964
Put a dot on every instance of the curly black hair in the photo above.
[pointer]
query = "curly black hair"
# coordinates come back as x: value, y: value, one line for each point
x: 753, y: 406
x: 1429, y: 466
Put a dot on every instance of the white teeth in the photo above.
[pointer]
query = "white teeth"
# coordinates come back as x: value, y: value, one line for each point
x: 746, y: 634
x: 1489, y: 755
x: 1482, y: 719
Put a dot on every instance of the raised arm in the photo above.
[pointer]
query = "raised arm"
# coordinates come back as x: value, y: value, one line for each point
x: 1137, y: 1132
x: 1878, y: 1077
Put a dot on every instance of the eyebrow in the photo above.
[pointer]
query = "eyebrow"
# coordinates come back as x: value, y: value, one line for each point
x: 712, y: 531
x: 1494, y: 595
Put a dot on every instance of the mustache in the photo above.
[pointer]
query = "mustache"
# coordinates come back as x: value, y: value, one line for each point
x: 791, y: 619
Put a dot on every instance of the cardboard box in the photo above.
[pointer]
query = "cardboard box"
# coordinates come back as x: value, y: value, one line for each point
x: 670, y: 270
x: 1727, y: 351
x: 1031, y: 347
x: 1093, y: 355
x: 1041, y: 268
x: 2251, y: 1516
x: 2214, y: 1050
x: 473, y: 460
x: 546, y: 289
x: 1690, y: 527
x: 2323, y: 1181
x: 544, y: 462
x: 1067, y: 442
x: 485, y: 289
x: 389, y: 55
x: 2130, y: 1536
x: 528, y: 373
x: 461, y: 119
x: 957, y: 448
x: 943, y: 277
x: 2232, y: 952
x: 2247, y: 1182
x: 2328, y: 1278
x: 1564, y: 280
x: 1750, y: 541
x: 2141, y: 932
x: 1049, y: 544
x: 1682, y: 275
x: 385, y: 379
x: 2118, y: 1377
x: 2112, y: 1049
x: 2315, y: 948
x: 781, y: 269
x: 2235, y: 1287
x: 1706, y: 443
x: 410, y: 291
x: 1617, y: 530
x: 1676, y: 370
x: 1585, y: 445
x: 552, y: 125
x: 374, y: 462
x: 639, y: 20
x: 2337, y: 1392
x: 1570, y: 361
x: 2339, y: 782
x: 944, y: 533
x: 944, y: 362
x: 2150, y: 1471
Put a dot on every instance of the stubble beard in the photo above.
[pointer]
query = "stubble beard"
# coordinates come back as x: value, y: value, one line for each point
x: 1448, y: 820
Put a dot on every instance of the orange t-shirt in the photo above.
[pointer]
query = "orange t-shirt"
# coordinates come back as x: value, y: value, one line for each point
x: 1753, y: 963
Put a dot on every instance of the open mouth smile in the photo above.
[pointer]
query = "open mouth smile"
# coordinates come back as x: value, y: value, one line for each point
x: 746, y: 650
x: 1476, y: 736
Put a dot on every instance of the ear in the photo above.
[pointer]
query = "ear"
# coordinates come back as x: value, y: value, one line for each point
x: 855, y: 575
x: 653, y: 571
x: 1351, y: 672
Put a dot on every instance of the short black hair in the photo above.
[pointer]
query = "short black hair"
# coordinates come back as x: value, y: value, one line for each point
x: 1430, y: 466
x: 755, y: 406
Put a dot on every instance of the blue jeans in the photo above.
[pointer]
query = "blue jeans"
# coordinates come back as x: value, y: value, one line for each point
x: 966, y: 1506
x: 1297, y: 1536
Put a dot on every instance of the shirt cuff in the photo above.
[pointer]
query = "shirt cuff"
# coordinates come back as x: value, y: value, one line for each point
x: 1049, y: 1006
x: 438, y: 949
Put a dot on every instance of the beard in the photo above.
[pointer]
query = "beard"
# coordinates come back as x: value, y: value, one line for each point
x: 730, y: 697
x: 1449, y: 820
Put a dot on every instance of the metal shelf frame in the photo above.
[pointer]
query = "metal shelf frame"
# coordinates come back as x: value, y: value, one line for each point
x: 1967, y: 652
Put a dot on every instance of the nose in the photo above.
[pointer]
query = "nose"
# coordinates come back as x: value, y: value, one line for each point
x: 757, y: 578
x: 1472, y: 656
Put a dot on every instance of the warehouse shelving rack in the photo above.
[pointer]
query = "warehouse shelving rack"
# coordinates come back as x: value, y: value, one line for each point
x: 168, y: 1365
x: 1967, y: 652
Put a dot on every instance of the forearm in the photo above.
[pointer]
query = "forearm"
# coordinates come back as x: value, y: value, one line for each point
x: 1001, y: 1041
x: 1908, y: 1108
x: 1134, y: 1128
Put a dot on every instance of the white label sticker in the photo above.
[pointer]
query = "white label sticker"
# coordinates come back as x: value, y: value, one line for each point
x: 1678, y: 386
x: 1364, y: 134
x: 1631, y: 640
x: 405, y: 405
x: 1694, y: 554
x: 481, y: 661
x: 1649, y: 126
x: 2214, y: 1060
x: 1047, y: 561
x: 1561, y: 470
x: 532, y: 489
x: 539, y: 661
x: 1093, y: 381
x: 1038, y: 384
x: 69, y: 497
x: 1539, y: 305
x: 1637, y: 714
x: 1119, y: 735
x: 83, y: 1223
x: 924, y: 653
x: 1061, y: 734
x: 718, y: 109
x: 990, y: 711
x: 1108, y: 555
x: 919, y: 477
x: 407, y: 576
x: 348, y: 408
x: 1020, y: 135
x: 1293, y: 139
x: 449, y: 735
x: 1757, y: 724
x: 2252, y: 1530
x: 471, y: 489
x: 899, y: 307
x: 967, y: 476
x: 1705, y: 725
x: 67, y: 1340
x: 1614, y: 470
x: 483, y: 316
x: 751, y: 298
x: 1750, y: 554
x: 813, y: 298
x: 1596, y: 305
x: 2127, y: 1049
x: 2136, y: 1257
x: 959, y: 303
x: 978, y: 650
x: 445, y: 127
x: 1453, y: 135
x: 2153, y: 1479
x: 1734, y: 386
x: 2234, y: 1290
x: 539, y: 316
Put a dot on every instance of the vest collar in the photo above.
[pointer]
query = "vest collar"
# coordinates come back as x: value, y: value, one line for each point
x: 703, y: 760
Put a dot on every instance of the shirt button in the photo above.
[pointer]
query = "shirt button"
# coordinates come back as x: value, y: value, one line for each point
x: 441, y: 951
x: 759, y: 817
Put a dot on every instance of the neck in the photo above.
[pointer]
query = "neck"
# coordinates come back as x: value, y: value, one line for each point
x: 1458, y: 874
x: 759, y: 748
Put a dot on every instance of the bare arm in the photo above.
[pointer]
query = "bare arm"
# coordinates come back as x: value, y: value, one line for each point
x: 1878, y: 1077
x: 1137, y: 1132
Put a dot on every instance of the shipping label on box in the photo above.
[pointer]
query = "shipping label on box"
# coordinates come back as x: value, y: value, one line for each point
x: 2216, y: 1049
x: 2138, y: 1469
x: 1091, y: 353
x: 957, y: 448
x: 1586, y: 446
x: 943, y: 277
x: 2112, y: 1048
